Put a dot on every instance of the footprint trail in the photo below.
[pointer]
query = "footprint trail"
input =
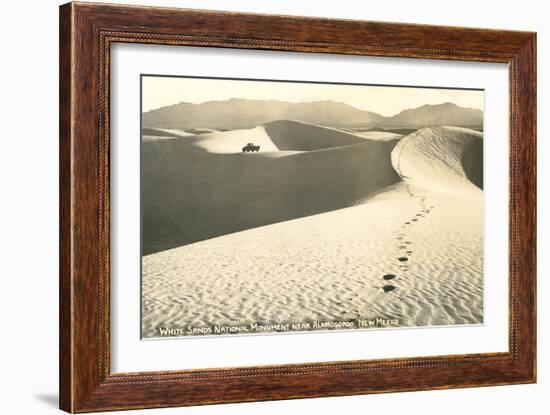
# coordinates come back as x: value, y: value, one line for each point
x: 404, y: 241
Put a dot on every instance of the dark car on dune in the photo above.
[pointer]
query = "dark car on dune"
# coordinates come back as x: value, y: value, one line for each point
x: 250, y: 148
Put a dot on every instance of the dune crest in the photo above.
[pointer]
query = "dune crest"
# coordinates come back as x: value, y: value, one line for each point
x: 446, y: 159
x: 289, y: 135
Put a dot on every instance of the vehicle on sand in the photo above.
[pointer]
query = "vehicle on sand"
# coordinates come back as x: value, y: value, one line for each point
x: 249, y: 147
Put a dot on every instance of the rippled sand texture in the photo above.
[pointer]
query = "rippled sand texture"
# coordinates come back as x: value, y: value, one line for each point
x: 410, y: 249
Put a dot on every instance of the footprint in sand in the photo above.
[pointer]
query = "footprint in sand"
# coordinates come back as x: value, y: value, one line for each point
x: 388, y: 288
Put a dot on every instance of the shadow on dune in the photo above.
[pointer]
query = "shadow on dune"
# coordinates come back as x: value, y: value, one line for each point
x: 472, y: 162
x: 189, y: 194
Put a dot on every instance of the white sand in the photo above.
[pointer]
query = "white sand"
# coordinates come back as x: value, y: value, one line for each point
x: 438, y: 158
x: 231, y: 142
x: 175, y: 131
x: 331, y: 266
x: 378, y: 135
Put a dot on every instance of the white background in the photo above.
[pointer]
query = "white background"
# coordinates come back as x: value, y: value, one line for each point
x: 28, y: 212
x: 129, y: 354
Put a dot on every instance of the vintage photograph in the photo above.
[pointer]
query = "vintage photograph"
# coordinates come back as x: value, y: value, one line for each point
x: 282, y: 206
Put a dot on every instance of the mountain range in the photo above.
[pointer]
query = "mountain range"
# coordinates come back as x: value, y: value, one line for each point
x: 244, y: 113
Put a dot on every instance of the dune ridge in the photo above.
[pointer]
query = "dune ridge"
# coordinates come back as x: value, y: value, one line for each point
x: 443, y: 158
x: 289, y: 135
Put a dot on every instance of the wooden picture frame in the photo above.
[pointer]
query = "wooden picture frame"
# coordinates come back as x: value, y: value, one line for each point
x: 86, y: 33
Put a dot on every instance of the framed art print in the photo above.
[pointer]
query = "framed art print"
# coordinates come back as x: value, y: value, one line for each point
x: 261, y: 207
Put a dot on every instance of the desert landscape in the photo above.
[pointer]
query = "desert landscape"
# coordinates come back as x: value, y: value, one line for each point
x: 338, y: 220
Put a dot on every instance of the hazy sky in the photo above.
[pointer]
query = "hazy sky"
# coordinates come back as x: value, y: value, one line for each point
x: 162, y: 91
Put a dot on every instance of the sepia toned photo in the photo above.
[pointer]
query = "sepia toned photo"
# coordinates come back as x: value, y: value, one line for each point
x: 282, y: 206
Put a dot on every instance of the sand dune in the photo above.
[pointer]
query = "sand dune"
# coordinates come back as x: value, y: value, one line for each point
x: 201, y: 131
x: 157, y: 132
x: 201, y: 187
x: 231, y: 142
x: 443, y: 158
x: 175, y: 132
x: 378, y: 135
x: 299, y: 136
x: 305, y: 270
x: 321, y: 225
x: 283, y: 136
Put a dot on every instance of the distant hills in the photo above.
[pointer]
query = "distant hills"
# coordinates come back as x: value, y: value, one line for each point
x: 243, y: 113
x: 436, y: 115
